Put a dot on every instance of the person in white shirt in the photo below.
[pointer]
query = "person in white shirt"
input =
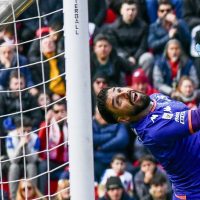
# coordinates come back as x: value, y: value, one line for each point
x: 22, y: 145
x: 118, y: 166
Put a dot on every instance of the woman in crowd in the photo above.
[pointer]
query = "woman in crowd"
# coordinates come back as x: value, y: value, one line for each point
x: 171, y: 67
x: 63, y: 192
x: 26, y: 190
x: 187, y: 93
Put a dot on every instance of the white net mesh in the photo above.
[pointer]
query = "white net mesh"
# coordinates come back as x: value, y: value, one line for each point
x: 33, y: 127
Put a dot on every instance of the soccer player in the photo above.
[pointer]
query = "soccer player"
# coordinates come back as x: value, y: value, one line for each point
x: 167, y: 127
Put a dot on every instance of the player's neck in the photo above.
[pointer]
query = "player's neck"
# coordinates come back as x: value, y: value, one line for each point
x: 145, y: 112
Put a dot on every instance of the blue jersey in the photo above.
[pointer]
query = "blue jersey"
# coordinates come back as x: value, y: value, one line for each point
x: 167, y: 132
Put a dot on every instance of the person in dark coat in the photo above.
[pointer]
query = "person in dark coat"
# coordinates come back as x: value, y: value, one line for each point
x: 129, y: 32
x: 105, y: 60
x: 167, y: 27
x: 97, y: 11
x: 191, y: 12
x: 108, y: 139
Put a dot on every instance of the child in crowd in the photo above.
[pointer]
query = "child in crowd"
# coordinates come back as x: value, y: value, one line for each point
x: 143, y: 178
x: 158, y: 188
x: 118, y: 165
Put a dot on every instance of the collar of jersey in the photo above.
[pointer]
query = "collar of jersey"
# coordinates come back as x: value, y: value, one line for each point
x: 154, y: 106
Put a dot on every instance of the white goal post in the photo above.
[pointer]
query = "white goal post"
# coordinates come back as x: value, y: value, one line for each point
x: 79, y: 101
x: 78, y: 94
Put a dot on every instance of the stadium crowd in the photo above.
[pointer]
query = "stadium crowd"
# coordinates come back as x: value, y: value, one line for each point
x: 148, y: 45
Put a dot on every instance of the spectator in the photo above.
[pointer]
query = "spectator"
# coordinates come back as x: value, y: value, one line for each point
x: 143, y: 178
x: 7, y: 34
x: 191, y: 12
x: 109, y: 139
x: 43, y: 101
x: 171, y: 67
x: 186, y: 92
x: 55, y: 33
x: 115, y: 190
x: 55, y: 128
x: 19, y: 144
x: 97, y: 11
x: 152, y: 6
x: 105, y: 60
x: 140, y: 82
x: 27, y: 190
x: 54, y: 69
x: 115, y: 6
x: 12, y: 102
x: 10, y: 61
x: 63, y: 191
x: 118, y: 168
x: 166, y: 27
x: 28, y: 27
x: 99, y: 82
x: 158, y: 188
x: 129, y: 33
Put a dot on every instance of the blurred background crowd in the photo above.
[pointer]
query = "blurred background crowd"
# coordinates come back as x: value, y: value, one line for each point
x: 148, y: 45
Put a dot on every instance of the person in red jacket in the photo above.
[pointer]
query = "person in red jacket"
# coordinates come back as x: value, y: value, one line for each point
x: 55, y: 131
x: 140, y: 82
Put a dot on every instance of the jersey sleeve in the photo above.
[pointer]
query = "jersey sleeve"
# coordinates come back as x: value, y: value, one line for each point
x: 169, y: 126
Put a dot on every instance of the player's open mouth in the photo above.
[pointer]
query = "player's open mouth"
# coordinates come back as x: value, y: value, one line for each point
x: 132, y: 97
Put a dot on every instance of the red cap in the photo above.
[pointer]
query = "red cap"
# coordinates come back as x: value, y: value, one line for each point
x: 139, y: 76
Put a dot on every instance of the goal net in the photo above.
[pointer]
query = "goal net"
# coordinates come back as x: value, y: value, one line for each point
x: 33, y: 112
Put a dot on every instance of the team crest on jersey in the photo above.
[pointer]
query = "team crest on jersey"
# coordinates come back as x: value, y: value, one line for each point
x: 153, y: 118
x: 167, y: 109
x: 167, y: 116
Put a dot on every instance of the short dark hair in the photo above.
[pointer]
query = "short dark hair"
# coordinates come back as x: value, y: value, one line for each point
x: 15, y: 74
x: 161, y: 2
x: 103, y: 110
x: 100, y: 75
x: 158, y: 179
x: 56, y: 25
x: 100, y: 37
x: 26, y: 122
x: 129, y: 2
x: 119, y: 156
x: 62, y: 102
x: 147, y: 157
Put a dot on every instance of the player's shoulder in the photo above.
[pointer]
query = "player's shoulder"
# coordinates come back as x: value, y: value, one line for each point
x: 165, y: 103
x: 158, y: 97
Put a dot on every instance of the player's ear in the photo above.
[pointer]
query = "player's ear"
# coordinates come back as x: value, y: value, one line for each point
x: 123, y: 119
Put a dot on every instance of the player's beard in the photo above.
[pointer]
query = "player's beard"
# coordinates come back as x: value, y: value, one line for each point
x: 145, y: 101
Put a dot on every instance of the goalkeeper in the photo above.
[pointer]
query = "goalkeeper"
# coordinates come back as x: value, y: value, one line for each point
x: 166, y: 127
